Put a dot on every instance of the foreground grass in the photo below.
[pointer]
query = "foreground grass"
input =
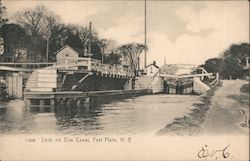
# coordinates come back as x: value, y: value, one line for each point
x: 190, y: 123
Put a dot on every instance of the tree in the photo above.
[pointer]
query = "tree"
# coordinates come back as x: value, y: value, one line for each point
x: 231, y: 62
x: 213, y: 65
x: 78, y: 38
x: 132, y: 51
x: 238, y: 52
x: 230, y: 68
x: 15, y: 40
x: 234, y: 60
x: 38, y: 23
x: 3, y: 19
x: 112, y: 58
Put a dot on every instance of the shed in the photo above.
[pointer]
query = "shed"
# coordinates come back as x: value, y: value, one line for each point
x: 64, y: 52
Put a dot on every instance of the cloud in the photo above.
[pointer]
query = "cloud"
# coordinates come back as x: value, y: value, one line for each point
x: 184, y: 31
x: 123, y: 23
x: 209, y: 31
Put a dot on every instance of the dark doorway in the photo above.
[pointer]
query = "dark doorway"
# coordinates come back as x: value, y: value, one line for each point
x: 166, y: 87
x: 179, y: 89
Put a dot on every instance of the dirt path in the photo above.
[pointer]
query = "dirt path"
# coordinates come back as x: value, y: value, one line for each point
x: 225, y: 113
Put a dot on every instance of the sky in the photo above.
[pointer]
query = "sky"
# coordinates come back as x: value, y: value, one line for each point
x: 185, y: 32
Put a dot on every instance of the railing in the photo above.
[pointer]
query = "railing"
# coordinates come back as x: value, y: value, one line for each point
x: 95, y: 65
x: 27, y: 65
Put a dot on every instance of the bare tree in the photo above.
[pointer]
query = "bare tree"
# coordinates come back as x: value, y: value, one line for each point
x: 132, y: 52
x: 38, y: 22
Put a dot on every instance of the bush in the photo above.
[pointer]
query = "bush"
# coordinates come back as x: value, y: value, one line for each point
x: 245, y: 88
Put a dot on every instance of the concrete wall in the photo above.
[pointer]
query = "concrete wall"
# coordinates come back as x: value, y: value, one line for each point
x: 157, y: 85
x: 199, y: 87
x: 149, y: 82
x: 128, y: 85
x: 143, y: 82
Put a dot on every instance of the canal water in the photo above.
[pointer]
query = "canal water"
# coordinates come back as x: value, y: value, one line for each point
x: 140, y: 115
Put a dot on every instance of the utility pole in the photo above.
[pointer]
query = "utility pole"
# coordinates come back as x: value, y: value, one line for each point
x: 47, y: 50
x: 90, y: 37
x: 103, y: 50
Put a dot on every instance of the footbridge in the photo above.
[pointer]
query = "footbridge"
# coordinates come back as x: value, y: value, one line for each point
x: 178, y: 79
x: 186, y: 78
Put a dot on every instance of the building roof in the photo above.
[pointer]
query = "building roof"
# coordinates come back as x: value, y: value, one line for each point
x: 66, y: 46
x: 153, y: 65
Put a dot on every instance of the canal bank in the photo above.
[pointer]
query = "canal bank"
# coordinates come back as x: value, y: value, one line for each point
x: 190, y: 123
x: 223, y: 109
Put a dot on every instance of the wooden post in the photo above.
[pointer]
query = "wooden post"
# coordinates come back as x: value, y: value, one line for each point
x: 217, y: 78
x: 89, y: 64
x: 247, y: 62
x: 202, y: 78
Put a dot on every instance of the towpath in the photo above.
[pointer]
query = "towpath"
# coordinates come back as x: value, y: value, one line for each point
x: 225, y: 114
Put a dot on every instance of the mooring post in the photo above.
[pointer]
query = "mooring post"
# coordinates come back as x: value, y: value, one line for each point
x: 27, y: 102
x: 41, y: 102
x: 79, y: 102
x: 52, y: 102
x: 68, y: 102
x: 87, y: 101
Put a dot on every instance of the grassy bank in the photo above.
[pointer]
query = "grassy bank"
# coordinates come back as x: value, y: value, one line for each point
x: 190, y: 123
x: 243, y: 105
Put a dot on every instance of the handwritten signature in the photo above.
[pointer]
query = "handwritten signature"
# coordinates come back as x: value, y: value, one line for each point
x: 214, y: 154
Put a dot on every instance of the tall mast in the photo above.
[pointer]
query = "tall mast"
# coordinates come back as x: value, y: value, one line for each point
x: 145, y: 32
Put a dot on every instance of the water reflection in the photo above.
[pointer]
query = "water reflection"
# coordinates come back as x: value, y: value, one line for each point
x: 145, y: 114
x: 76, y: 119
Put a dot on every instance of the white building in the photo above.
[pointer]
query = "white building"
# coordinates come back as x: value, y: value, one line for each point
x: 152, y: 69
